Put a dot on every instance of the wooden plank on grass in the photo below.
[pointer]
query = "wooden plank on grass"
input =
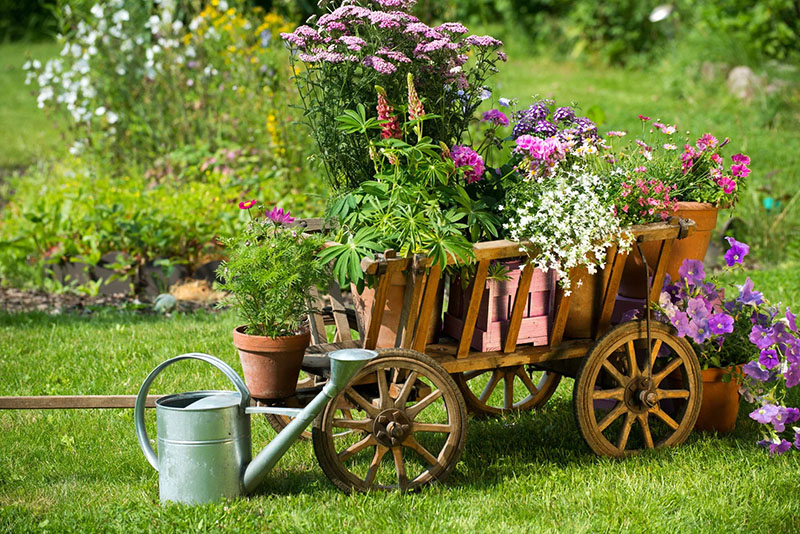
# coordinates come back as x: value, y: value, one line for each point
x: 69, y: 402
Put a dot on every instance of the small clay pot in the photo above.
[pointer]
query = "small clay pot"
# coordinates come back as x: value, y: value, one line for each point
x: 720, y: 402
x: 271, y: 365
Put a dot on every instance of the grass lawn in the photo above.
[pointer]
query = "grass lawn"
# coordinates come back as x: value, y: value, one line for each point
x: 83, y: 471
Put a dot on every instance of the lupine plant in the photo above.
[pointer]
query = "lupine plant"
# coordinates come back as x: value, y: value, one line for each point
x: 740, y: 327
x: 339, y: 58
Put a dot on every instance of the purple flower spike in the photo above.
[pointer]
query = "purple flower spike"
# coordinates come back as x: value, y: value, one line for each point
x: 720, y: 323
x: 779, y: 448
x: 761, y: 337
x: 278, y: 216
x: 754, y: 371
x: 768, y: 358
x: 692, y: 271
x: 736, y: 253
x: 765, y: 414
x: 747, y: 296
x: 792, y: 375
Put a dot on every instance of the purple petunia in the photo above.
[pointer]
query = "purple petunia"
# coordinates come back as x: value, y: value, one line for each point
x: 791, y: 320
x: 780, y: 447
x: 699, y: 330
x: 736, y: 253
x: 764, y: 414
x: 720, y: 323
x: 692, y: 271
x: 754, y: 371
x: 768, y: 358
x: 747, y: 296
x: 761, y: 337
x: 797, y: 440
x: 792, y: 375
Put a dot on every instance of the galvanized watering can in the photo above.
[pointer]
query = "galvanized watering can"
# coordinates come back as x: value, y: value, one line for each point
x: 204, y: 447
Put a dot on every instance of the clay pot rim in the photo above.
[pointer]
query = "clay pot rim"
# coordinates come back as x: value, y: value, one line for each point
x: 304, y: 331
x: 714, y: 374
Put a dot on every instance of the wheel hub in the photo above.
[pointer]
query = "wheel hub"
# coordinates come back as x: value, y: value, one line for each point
x: 640, y: 395
x: 391, y: 427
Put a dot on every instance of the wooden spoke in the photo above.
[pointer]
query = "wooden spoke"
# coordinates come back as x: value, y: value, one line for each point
x: 658, y: 412
x: 431, y: 427
x: 365, y: 405
x: 526, y: 379
x: 402, y: 478
x: 469, y: 375
x: 414, y: 445
x: 355, y: 448
x: 413, y: 411
x: 383, y: 391
x: 380, y: 452
x: 616, y: 394
x: 622, y: 441
x: 402, y: 397
x: 653, y: 355
x: 648, y: 439
x: 608, y: 366
x: 355, y: 424
x: 612, y: 416
x: 508, y: 390
x: 671, y: 366
x: 672, y: 393
x: 493, y: 381
x: 633, y: 366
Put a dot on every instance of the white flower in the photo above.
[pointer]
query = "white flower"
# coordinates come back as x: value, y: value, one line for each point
x: 97, y: 11
x: 196, y: 22
x: 100, y: 111
x: 153, y: 22
x: 121, y: 16
x: 223, y: 5
x: 26, y: 65
x: 120, y: 70
x: 112, y: 117
x: 76, y: 50
x: 177, y: 26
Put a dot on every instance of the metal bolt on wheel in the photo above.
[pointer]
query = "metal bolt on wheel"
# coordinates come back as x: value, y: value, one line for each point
x: 409, y: 422
x: 629, y: 397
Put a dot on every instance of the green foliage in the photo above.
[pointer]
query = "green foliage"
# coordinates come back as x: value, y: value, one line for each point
x: 269, y: 274
x: 32, y: 20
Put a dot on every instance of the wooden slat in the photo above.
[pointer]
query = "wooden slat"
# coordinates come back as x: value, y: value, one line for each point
x: 316, y: 320
x: 659, y: 231
x: 520, y: 301
x: 418, y: 278
x: 325, y: 348
x: 615, y: 266
x: 428, y: 305
x: 445, y: 354
x: 660, y: 269
x: 70, y: 402
x: 339, y: 313
x: 478, y: 287
x: 562, y: 312
x: 373, y: 326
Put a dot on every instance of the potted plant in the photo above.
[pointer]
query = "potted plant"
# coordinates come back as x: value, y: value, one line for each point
x: 700, y: 181
x: 724, y: 327
x: 268, y: 274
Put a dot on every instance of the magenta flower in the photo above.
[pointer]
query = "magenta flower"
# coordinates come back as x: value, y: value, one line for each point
x: 643, y: 118
x: 720, y: 323
x: 736, y: 253
x: 495, y: 116
x: 706, y: 141
x: 247, y: 205
x: 692, y: 271
x: 768, y: 358
x: 278, y: 216
x: 391, y: 128
x: 741, y: 158
x: 464, y: 156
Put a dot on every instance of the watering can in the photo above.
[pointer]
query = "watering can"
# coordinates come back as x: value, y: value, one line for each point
x: 204, y: 448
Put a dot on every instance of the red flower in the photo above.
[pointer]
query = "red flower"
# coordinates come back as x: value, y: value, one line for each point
x: 247, y: 205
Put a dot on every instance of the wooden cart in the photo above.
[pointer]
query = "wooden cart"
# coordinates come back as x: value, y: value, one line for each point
x: 402, y: 422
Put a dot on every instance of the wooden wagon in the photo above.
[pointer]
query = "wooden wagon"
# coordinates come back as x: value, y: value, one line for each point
x: 402, y: 421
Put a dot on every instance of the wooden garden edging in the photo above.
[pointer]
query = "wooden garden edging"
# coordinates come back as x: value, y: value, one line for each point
x: 70, y: 402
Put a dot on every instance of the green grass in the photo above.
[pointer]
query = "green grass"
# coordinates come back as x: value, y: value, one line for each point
x: 82, y: 470
x: 28, y: 134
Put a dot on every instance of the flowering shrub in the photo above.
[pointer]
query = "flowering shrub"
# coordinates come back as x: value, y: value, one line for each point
x: 138, y: 84
x: 346, y: 52
x: 741, y: 329
x: 696, y: 173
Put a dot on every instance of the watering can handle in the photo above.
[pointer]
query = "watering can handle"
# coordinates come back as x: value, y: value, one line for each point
x: 141, y: 431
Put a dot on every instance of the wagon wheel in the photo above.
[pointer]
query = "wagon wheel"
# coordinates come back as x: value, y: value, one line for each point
x: 491, y: 392
x: 628, y: 398
x: 279, y: 422
x: 410, y: 422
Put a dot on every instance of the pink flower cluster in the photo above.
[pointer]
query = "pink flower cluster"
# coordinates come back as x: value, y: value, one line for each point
x: 541, y: 154
x: 643, y: 200
x: 496, y: 117
x: 707, y: 144
x: 464, y: 156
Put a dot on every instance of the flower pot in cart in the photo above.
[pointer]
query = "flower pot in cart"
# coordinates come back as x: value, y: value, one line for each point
x: 720, y: 402
x: 390, y: 323
x: 271, y: 365
x: 693, y: 247
x: 497, y: 302
x: 585, y: 302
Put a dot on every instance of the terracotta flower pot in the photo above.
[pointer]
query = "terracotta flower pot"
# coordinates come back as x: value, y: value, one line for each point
x: 585, y: 303
x: 720, y: 402
x: 271, y: 365
x: 693, y: 247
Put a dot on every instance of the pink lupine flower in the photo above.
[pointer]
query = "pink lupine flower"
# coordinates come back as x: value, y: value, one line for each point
x: 415, y: 109
x: 390, y: 129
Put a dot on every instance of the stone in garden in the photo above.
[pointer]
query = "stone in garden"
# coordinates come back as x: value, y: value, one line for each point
x: 743, y: 83
x: 711, y: 70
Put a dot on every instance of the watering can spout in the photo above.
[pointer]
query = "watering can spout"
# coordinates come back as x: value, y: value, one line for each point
x: 344, y: 365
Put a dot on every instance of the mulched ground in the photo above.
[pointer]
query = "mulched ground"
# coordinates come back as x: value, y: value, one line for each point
x: 16, y: 301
